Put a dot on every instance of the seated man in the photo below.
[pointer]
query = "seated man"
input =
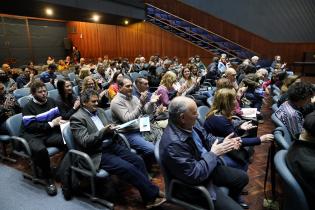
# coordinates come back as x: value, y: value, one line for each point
x: 90, y: 128
x: 299, y: 94
x: 49, y: 75
x: 300, y: 159
x: 25, y: 79
x: 126, y: 107
x: 40, y: 127
x: 188, y: 157
x: 141, y: 86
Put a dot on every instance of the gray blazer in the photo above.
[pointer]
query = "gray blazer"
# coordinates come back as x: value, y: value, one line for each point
x: 87, y: 137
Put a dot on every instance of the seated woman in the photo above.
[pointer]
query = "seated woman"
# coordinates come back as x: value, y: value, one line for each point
x: 84, y: 72
x: 113, y: 88
x: 219, y: 123
x: 187, y: 82
x: 67, y: 102
x: 300, y: 159
x: 90, y: 83
x: 166, y: 89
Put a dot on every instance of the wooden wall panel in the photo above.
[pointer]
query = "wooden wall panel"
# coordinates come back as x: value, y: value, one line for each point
x: 290, y: 52
x: 94, y: 40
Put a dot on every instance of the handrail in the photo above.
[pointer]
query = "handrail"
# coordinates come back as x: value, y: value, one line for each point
x: 204, y: 29
x: 195, y: 35
x: 189, y: 34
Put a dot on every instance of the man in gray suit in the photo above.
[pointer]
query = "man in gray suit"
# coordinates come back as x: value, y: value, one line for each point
x: 92, y: 134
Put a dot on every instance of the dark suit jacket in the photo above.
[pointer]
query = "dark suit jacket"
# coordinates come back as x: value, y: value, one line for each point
x: 87, y: 137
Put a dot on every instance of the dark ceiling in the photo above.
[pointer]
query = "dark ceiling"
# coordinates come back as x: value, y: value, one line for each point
x: 32, y: 8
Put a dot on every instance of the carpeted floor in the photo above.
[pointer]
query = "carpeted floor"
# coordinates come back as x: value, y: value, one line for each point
x: 17, y: 193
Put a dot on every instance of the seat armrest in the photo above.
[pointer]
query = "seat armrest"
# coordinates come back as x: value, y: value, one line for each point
x: 25, y: 145
x: 201, y: 188
x: 86, y: 158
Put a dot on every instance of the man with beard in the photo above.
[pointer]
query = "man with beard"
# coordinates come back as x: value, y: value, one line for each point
x: 9, y: 83
x: 40, y: 127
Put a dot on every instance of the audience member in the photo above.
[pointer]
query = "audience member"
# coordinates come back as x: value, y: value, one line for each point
x: 8, y: 83
x: 166, y: 89
x: 49, y: 75
x: 93, y: 133
x: 25, y: 79
x: 141, y: 87
x: 187, y: 156
x: 40, y: 127
x: 300, y: 159
x: 67, y: 102
x: 126, y: 107
x: 113, y: 88
x: 299, y: 94
x: 219, y: 123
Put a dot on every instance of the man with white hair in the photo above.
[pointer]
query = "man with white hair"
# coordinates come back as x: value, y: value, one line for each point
x: 189, y: 157
x: 254, y: 61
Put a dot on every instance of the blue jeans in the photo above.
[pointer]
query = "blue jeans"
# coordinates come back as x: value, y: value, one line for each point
x: 142, y: 146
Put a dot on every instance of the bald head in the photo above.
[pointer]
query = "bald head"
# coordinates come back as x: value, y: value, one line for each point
x: 183, y: 112
x: 230, y: 74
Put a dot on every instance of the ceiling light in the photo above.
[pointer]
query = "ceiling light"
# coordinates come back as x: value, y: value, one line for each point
x: 126, y: 22
x: 49, y: 11
x: 96, y: 18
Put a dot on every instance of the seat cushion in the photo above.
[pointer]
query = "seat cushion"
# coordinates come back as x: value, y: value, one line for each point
x: 4, y: 138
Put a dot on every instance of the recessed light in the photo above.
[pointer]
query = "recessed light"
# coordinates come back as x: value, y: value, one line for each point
x: 126, y: 22
x: 96, y: 18
x: 49, y: 11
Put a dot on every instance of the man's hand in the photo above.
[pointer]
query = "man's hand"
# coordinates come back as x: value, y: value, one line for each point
x: 247, y: 126
x: 56, y: 121
x: 266, y: 138
x: 143, y: 97
x: 237, y: 140
x: 12, y: 88
x: 224, y: 147
x: 109, y: 128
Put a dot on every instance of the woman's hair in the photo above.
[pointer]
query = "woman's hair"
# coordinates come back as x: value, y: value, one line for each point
x: 61, y: 89
x: 168, y: 79
x: 84, y: 72
x: 192, y: 67
x: 224, y: 83
x: 288, y: 82
x: 85, y: 81
x: 189, y: 80
x: 116, y: 74
x: 224, y: 102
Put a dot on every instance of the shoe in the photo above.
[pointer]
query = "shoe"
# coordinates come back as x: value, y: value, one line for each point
x: 155, y: 203
x: 67, y: 194
x: 244, y: 205
x: 51, y: 188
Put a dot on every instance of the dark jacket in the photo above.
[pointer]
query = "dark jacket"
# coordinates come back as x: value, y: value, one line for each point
x: 300, y: 160
x: 86, y: 135
x: 181, y: 158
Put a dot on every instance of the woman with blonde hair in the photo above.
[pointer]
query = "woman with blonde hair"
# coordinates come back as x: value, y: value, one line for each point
x: 219, y: 123
x: 166, y: 87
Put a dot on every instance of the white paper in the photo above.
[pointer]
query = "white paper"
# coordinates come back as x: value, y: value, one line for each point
x: 249, y: 112
x: 144, y: 124
x: 62, y: 127
x: 127, y: 124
